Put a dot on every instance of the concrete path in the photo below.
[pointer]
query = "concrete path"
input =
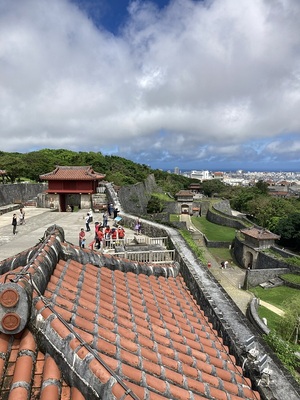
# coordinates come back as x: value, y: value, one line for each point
x: 270, y: 307
x: 37, y: 221
x: 231, y: 278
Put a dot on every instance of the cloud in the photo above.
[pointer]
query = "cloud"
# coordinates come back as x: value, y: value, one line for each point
x: 196, y: 82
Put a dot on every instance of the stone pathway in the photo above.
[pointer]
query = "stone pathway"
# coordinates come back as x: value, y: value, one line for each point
x: 37, y: 221
x: 270, y: 307
x: 231, y: 279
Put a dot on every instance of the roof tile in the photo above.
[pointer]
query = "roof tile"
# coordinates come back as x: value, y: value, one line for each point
x: 126, y: 331
x: 72, y: 173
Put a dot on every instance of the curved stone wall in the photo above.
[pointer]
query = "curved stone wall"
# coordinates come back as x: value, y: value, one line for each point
x: 220, y: 218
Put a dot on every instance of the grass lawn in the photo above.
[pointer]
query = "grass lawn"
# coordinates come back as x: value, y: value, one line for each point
x: 272, y: 318
x: 212, y: 231
x: 162, y: 196
x: 275, y: 296
x: 221, y: 254
x: 291, y: 278
x: 174, y: 218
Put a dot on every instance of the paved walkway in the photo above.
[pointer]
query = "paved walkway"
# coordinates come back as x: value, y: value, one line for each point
x: 37, y: 221
x: 269, y: 306
x: 231, y: 278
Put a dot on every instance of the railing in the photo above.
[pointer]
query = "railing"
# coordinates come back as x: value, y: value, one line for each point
x: 151, y: 256
x: 112, y: 243
x: 161, y: 241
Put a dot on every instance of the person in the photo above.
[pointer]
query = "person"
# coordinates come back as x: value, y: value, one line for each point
x: 100, y: 236
x: 112, y: 210
x: 97, y: 226
x: 91, y: 215
x: 116, y: 212
x: 107, y: 233
x: 114, y: 234
x: 105, y: 218
x: 14, y: 223
x: 22, y: 217
x: 81, y: 238
x: 222, y: 264
x: 225, y: 264
x: 87, y: 222
x: 138, y: 227
x: 121, y: 232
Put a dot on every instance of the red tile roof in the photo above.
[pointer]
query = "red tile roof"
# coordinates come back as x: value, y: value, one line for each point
x: 97, y: 330
x: 260, y: 234
x: 184, y: 193
x: 72, y: 173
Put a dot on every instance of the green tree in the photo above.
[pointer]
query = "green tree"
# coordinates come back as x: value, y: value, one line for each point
x: 262, y: 187
x: 14, y: 165
x: 155, y: 205
x: 289, y: 230
x: 241, y: 198
x: 290, y: 322
x: 285, y: 352
x: 213, y: 186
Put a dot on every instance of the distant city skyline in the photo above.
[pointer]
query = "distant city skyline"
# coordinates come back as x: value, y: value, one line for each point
x: 204, y: 84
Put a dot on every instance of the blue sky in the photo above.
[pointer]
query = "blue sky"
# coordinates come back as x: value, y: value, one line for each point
x: 207, y: 84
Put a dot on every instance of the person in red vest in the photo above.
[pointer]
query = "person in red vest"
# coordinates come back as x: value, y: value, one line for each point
x: 107, y: 235
x: 100, y: 236
x: 114, y: 233
x: 121, y: 232
x: 81, y: 238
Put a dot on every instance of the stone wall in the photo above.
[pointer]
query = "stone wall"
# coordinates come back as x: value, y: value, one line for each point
x: 252, y: 314
x: 134, y: 198
x: 217, y: 217
x: 204, y: 206
x: 255, y: 277
x: 265, y: 261
x: 20, y: 192
x: 216, y: 245
x: 223, y: 206
x: 238, y: 250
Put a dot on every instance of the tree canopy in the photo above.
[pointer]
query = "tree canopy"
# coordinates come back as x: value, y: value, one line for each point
x: 120, y: 171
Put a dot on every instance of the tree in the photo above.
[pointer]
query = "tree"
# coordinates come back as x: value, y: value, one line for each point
x: 212, y: 186
x: 290, y: 322
x: 14, y: 165
x: 262, y: 187
x: 289, y: 230
x: 155, y: 205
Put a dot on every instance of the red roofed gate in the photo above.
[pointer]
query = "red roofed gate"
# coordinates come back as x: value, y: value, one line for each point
x: 72, y: 185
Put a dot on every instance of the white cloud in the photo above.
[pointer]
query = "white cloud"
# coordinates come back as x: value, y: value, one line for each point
x: 191, y: 81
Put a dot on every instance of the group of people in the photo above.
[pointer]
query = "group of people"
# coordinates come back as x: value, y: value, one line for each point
x: 18, y: 220
x: 104, y: 236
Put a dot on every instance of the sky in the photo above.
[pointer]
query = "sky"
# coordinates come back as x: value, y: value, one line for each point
x: 194, y: 84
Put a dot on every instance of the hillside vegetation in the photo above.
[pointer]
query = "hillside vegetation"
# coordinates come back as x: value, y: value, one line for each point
x: 29, y: 166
